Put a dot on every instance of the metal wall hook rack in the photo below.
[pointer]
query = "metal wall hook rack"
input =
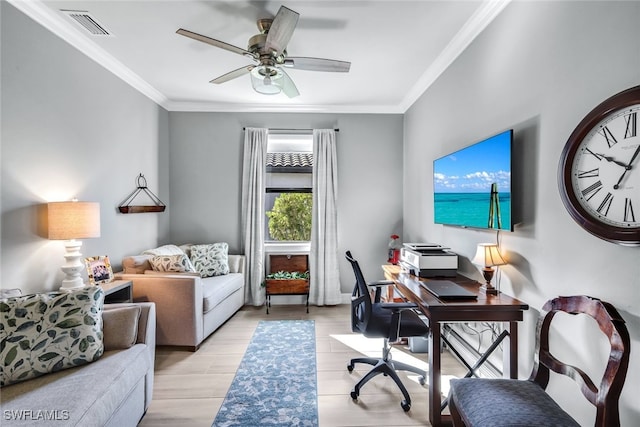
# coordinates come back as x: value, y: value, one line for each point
x: 125, y: 207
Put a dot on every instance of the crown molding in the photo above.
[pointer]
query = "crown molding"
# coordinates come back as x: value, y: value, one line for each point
x: 481, y: 18
x: 36, y: 10
x: 193, y: 106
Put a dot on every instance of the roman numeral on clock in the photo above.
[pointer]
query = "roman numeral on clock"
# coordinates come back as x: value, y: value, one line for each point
x: 628, y: 211
x: 631, y: 121
x: 611, y: 140
x: 589, y: 174
x: 592, y: 190
x: 605, y: 205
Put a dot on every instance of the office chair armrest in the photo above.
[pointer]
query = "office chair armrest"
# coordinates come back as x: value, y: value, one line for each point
x: 398, y: 306
x: 379, y: 284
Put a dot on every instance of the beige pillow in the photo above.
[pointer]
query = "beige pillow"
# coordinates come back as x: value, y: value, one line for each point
x: 120, y: 327
x: 136, y: 264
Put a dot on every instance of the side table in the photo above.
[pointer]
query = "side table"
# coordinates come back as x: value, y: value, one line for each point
x: 117, y: 291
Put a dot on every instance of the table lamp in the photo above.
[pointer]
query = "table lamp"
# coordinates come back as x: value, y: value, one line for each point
x: 488, y: 256
x: 70, y: 221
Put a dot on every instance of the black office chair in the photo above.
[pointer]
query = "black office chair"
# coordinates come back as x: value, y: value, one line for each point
x: 375, y: 319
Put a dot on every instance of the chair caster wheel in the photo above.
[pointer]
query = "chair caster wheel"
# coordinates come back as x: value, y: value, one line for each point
x: 422, y: 381
x: 354, y: 395
x: 405, y: 405
x: 350, y: 367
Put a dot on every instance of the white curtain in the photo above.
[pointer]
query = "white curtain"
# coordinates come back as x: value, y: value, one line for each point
x: 323, y: 262
x: 253, y: 188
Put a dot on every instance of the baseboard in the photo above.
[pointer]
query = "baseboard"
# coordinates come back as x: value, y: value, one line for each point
x: 345, y: 299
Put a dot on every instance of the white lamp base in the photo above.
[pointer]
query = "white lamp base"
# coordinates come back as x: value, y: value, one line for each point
x: 73, y: 266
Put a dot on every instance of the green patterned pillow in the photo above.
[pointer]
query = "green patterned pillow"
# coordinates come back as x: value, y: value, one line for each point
x: 211, y: 260
x: 48, y: 332
x: 172, y: 264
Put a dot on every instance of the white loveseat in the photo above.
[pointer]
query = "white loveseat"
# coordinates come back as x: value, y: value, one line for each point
x: 188, y: 307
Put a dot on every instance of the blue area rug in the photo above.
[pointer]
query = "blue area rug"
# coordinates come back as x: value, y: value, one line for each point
x: 276, y: 382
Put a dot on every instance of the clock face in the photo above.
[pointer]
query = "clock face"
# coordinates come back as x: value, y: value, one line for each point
x: 600, y: 170
x: 606, y: 170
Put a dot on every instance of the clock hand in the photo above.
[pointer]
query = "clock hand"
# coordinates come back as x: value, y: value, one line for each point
x: 617, y: 185
x: 635, y: 154
x: 611, y: 159
x: 627, y: 167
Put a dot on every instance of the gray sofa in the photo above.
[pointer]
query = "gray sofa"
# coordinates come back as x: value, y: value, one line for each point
x: 189, y: 308
x: 115, y: 390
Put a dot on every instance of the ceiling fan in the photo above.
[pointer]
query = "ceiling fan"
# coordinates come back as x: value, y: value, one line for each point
x: 268, y: 50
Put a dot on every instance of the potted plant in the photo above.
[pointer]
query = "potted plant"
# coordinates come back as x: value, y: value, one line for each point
x: 287, y: 281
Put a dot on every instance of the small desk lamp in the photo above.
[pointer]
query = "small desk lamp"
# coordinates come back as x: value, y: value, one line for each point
x: 487, y: 255
x: 69, y: 221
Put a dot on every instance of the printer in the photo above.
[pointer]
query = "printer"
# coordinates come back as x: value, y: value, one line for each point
x: 428, y: 260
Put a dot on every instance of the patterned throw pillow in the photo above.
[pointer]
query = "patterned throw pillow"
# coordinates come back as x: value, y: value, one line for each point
x: 211, y: 260
x: 172, y: 263
x: 169, y: 250
x: 48, y: 332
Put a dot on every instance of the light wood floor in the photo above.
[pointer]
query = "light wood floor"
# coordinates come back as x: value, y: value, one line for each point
x: 190, y: 387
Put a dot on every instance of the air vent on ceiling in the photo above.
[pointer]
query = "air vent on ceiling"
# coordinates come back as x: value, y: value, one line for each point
x: 87, y: 22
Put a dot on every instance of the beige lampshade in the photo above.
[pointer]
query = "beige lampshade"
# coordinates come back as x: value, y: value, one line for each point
x: 73, y: 220
x: 488, y: 255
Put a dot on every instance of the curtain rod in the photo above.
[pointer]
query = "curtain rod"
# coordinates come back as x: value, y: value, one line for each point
x: 290, y: 129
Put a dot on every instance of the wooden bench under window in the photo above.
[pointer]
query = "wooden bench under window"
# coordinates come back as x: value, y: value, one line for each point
x: 478, y: 402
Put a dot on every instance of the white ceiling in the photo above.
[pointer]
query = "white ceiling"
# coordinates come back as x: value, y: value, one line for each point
x: 396, y: 48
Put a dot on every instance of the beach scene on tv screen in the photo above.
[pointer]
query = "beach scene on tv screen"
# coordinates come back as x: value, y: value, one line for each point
x: 463, y: 180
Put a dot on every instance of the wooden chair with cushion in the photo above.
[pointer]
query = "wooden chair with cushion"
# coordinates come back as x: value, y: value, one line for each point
x: 478, y: 402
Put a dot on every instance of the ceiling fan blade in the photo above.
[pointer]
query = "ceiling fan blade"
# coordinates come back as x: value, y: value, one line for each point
x: 214, y: 42
x: 288, y: 86
x: 317, y: 64
x: 281, y: 29
x: 233, y: 74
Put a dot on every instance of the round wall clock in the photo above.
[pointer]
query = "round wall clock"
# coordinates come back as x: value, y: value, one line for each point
x: 599, y: 172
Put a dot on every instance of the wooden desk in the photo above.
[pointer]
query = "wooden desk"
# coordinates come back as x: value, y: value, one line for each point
x: 487, y: 308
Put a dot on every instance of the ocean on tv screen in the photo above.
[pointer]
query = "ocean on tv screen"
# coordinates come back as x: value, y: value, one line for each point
x: 470, y: 209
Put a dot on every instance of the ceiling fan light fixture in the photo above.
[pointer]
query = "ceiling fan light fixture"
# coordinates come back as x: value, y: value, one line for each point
x: 267, y: 80
x: 269, y: 51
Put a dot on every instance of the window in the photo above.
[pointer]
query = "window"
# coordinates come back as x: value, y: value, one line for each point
x: 288, y: 198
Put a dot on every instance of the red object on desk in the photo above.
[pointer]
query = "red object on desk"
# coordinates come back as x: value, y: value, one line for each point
x: 394, y: 250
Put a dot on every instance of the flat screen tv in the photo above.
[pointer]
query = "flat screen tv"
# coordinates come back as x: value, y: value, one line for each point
x: 472, y: 186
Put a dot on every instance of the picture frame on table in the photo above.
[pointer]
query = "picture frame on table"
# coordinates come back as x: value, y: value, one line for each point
x: 99, y: 269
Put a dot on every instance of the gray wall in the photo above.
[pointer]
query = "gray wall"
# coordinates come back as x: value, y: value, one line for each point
x: 206, y: 175
x: 539, y: 68
x: 71, y: 129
